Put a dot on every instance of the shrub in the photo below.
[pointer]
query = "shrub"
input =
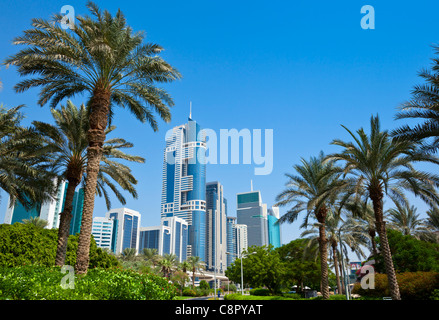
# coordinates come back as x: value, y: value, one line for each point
x: 38, y: 282
x: 412, y: 286
x: 260, y: 292
x: 189, y: 292
x: 25, y: 244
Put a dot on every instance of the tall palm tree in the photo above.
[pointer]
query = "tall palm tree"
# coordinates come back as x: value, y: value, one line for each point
x: 104, y: 59
x: 405, y: 219
x: 195, y: 264
x: 384, y: 167
x: 24, y: 174
x: 424, y: 105
x: 313, y: 191
x: 66, y: 143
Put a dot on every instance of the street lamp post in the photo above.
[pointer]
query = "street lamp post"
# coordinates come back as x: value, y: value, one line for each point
x: 242, y: 274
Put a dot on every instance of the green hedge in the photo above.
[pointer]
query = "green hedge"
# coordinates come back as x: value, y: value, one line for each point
x: 412, y: 285
x: 26, y: 244
x: 39, y: 282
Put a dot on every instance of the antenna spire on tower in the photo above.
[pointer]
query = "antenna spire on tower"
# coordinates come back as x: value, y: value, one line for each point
x: 190, y: 110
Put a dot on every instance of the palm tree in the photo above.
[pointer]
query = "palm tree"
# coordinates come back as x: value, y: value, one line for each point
x: 424, y: 105
x: 313, y: 191
x: 405, y: 220
x: 66, y: 145
x: 195, y: 264
x: 167, y: 263
x: 338, y: 229
x: 432, y: 225
x: 129, y: 254
x: 151, y: 255
x: 103, y: 58
x: 364, y: 214
x: 384, y: 167
x: 24, y: 174
x: 37, y: 222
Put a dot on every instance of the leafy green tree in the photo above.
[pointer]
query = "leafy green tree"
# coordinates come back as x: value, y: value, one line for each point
x: 104, y: 59
x: 26, y: 244
x: 263, y: 268
x: 410, y: 254
x: 302, y: 266
x: 384, y: 167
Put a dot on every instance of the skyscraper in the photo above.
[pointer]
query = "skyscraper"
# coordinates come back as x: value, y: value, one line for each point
x: 127, y: 228
x: 253, y: 213
x: 216, y: 227
x: 231, y: 240
x: 184, y: 183
x: 158, y: 238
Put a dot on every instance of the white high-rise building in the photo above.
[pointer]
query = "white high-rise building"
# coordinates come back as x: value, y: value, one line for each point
x: 127, y: 228
x: 102, y: 231
x: 241, y: 238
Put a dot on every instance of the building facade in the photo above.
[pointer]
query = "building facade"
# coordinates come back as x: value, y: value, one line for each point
x: 184, y: 183
x: 50, y: 210
x: 274, y: 233
x: 102, y: 231
x: 253, y: 213
x: 127, y: 229
x: 216, y: 227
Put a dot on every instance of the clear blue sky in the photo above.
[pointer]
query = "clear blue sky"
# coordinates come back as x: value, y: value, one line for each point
x: 300, y: 68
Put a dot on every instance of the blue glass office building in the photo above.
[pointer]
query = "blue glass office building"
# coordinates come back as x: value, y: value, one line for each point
x: 184, y: 183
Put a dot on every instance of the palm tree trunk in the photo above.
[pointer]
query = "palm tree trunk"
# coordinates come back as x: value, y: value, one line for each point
x: 99, y: 105
x: 340, y: 266
x: 377, y: 202
x: 337, y: 275
x: 64, y: 224
x: 324, y: 261
x: 372, y: 240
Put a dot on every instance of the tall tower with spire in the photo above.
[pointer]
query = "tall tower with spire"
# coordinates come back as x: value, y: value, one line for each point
x: 184, y: 182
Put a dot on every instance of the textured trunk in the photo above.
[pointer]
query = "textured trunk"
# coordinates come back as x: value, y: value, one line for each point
x: 372, y: 235
x: 64, y: 224
x: 323, y: 248
x: 337, y: 275
x: 377, y: 201
x: 340, y: 266
x: 99, y: 104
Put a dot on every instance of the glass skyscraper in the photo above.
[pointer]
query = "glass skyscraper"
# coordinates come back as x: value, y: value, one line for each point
x: 216, y: 227
x: 253, y: 213
x: 184, y: 183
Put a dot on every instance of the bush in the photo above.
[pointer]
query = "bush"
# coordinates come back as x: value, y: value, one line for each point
x: 189, y: 292
x: 25, y: 244
x: 38, y: 282
x: 412, y: 285
x: 260, y: 292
